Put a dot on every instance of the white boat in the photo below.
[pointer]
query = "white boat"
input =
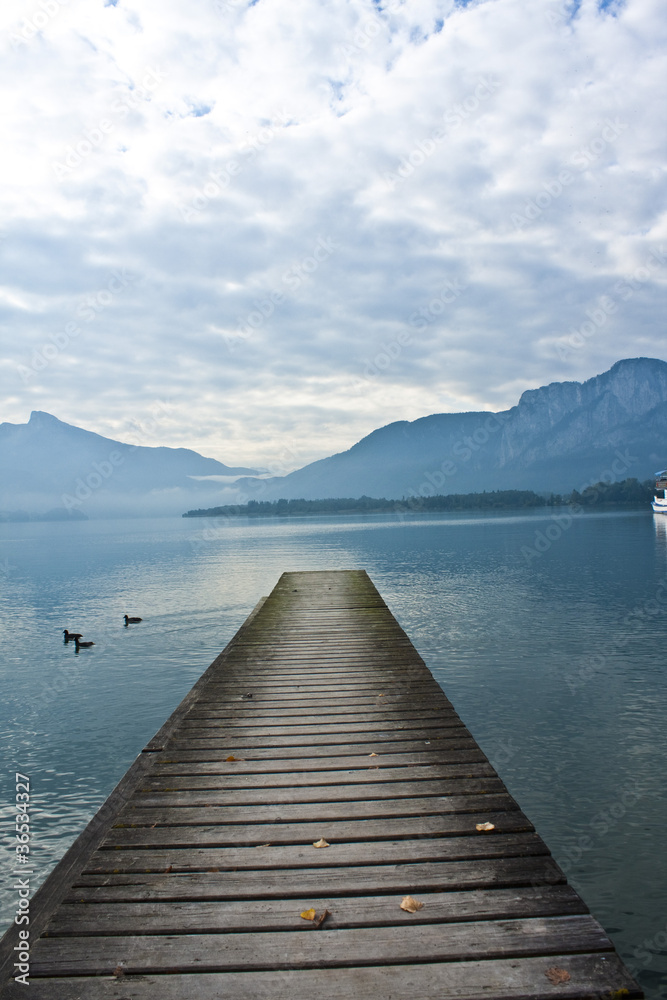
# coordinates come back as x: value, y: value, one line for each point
x: 659, y: 504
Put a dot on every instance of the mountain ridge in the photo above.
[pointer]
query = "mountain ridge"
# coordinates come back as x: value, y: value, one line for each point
x: 556, y: 438
x: 48, y: 463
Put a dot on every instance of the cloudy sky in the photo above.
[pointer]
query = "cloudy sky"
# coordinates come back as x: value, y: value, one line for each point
x: 263, y: 228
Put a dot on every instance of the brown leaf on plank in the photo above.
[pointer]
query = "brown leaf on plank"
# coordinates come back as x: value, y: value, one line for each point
x: 556, y: 975
x: 320, y: 920
x: 232, y: 757
x: 410, y: 905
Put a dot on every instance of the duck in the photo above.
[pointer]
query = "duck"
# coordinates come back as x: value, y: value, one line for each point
x: 82, y: 645
x: 132, y: 621
x: 71, y: 635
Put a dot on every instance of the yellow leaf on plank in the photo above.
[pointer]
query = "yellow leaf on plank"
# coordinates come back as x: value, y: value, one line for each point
x: 321, y: 843
x: 410, y: 905
x: 484, y: 827
x: 309, y: 914
x: 232, y: 757
x: 556, y: 975
x: 372, y: 755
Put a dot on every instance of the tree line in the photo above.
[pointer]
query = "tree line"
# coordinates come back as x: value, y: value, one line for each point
x: 627, y: 492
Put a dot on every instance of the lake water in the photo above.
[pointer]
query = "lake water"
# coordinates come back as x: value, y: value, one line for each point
x: 548, y: 636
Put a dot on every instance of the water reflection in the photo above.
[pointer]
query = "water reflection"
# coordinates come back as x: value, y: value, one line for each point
x: 660, y: 522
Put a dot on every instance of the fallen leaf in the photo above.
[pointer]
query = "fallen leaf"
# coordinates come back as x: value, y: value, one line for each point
x: 119, y: 970
x: 372, y: 755
x: 556, y: 975
x: 484, y: 827
x: 321, y: 843
x: 263, y: 845
x: 410, y: 905
x: 232, y: 757
x: 169, y: 869
x: 320, y: 920
x: 309, y: 914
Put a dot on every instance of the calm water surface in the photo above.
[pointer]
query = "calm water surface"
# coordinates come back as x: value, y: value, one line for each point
x: 549, y: 639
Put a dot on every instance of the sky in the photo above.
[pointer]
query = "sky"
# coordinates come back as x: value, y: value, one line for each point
x: 263, y: 228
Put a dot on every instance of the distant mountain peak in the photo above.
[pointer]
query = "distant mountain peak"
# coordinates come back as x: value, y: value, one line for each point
x: 42, y: 417
x: 47, y: 462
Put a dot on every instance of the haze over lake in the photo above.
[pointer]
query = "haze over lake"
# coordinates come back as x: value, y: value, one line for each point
x: 553, y: 659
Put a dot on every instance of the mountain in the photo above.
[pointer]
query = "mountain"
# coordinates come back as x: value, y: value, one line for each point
x: 560, y: 437
x: 50, y: 464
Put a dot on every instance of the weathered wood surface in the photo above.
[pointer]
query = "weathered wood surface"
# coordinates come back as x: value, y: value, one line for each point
x: 204, y: 917
x: 360, y: 946
x: 319, y: 720
x: 254, y: 835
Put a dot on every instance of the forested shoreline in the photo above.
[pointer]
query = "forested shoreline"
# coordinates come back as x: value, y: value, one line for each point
x: 629, y: 492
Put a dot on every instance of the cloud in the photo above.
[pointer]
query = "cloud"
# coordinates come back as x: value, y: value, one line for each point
x: 293, y: 194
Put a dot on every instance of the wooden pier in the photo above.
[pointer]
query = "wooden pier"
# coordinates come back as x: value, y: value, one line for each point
x: 262, y: 844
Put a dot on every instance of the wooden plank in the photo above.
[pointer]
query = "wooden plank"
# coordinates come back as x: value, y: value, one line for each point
x: 85, y: 919
x: 406, y: 677
x: 509, y: 820
x: 348, y: 881
x: 330, y: 667
x: 263, y: 703
x: 343, y: 728
x: 360, y: 809
x: 592, y: 977
x: 304, y: 855
x: 320, y: 755
x: 355, y: 756
x: 303, y: 734
x: 237, y: 715
x: 363, y: 700
x: 329, y: 949
x: 339, y: 792
x: 164, y: 783
x: 597, y: 976
x: 383, y: 736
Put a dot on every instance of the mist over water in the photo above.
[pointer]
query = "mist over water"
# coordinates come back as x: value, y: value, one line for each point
x: 548, y: 638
